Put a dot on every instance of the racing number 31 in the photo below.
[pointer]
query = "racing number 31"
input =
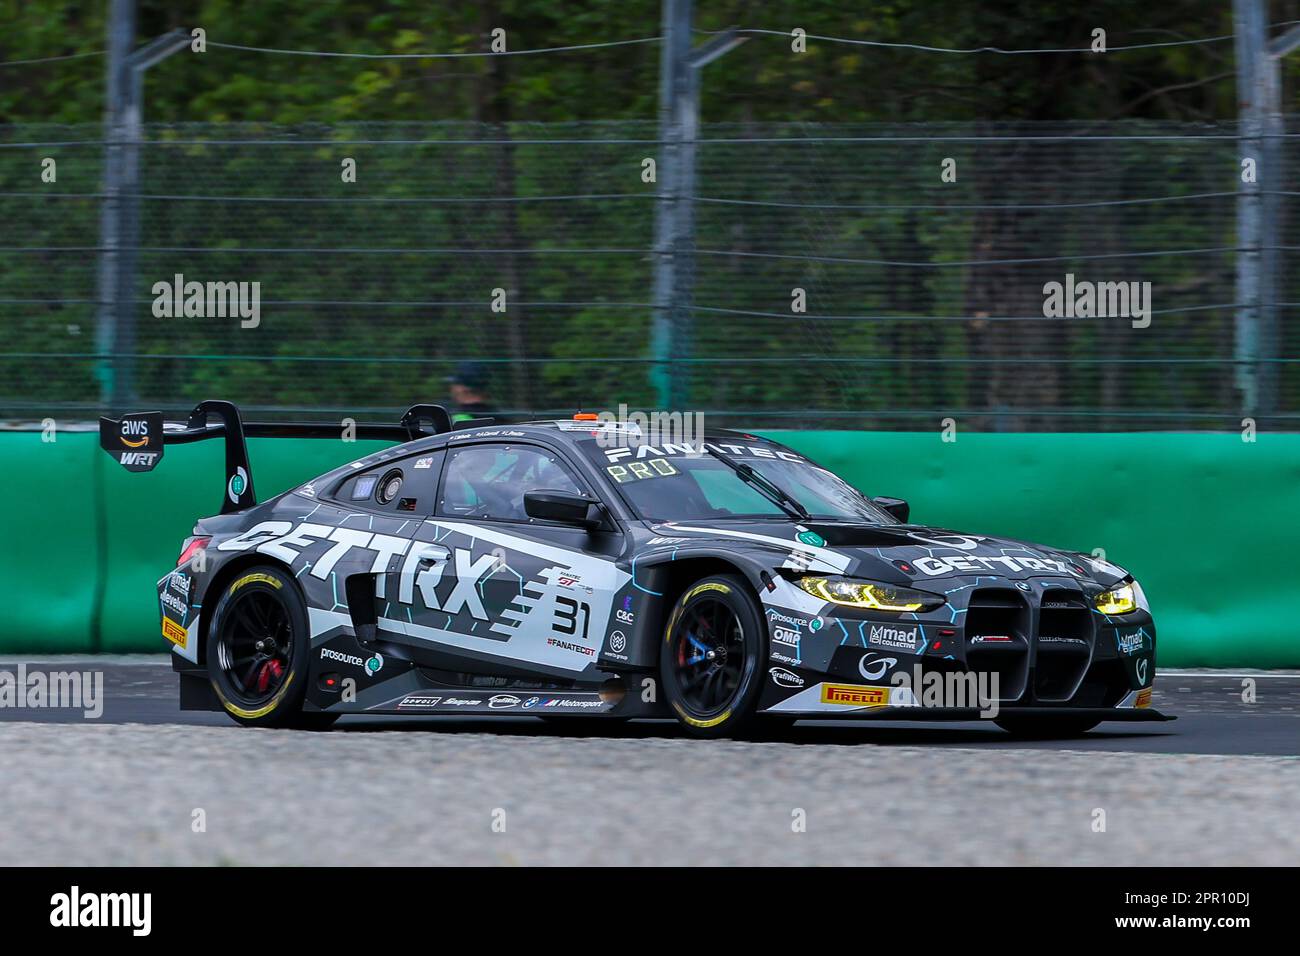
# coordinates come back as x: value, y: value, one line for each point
x: 566, y: 616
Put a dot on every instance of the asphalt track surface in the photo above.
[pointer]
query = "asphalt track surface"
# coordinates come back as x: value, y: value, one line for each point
x: 1219, y: 786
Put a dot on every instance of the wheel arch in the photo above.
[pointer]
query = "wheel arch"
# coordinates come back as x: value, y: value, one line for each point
x: 669, y: 577
x: 221, y: 578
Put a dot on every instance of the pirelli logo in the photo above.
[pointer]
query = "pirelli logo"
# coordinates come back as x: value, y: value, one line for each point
x: 1143, y: 698
x: 174, y: 632
x: 855, y: 696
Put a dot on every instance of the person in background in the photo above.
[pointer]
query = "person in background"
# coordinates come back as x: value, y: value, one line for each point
x: 470, y: 392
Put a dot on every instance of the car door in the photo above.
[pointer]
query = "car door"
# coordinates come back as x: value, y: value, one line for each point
x: 487, y: 589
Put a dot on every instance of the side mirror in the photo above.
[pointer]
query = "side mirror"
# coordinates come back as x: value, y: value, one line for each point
x: 563, y: 506
x: 894, y: 506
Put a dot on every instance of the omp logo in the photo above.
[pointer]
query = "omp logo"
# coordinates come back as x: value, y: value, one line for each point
x: 132, y: 427
x: 783, y: 635
x: 854, y: 695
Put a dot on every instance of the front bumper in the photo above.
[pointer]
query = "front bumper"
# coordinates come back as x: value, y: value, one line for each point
x: 1128, y: 715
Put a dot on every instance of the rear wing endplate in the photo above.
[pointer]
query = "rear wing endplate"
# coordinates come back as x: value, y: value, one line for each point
x: 137, y: 439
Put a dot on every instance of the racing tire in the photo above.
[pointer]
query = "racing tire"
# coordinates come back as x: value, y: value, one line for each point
x: 1046, y: 728
x: 711, y: 657
x: 257, y: 651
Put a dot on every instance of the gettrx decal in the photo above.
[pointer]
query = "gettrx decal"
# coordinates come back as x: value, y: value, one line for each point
x: 553, y: 605
x: 934, y: 566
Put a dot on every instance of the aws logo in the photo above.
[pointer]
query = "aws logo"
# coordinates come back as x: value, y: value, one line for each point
x: 132, y: 428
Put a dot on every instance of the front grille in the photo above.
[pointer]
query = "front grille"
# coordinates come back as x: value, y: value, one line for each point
x: 997, y: 639
x: 1064, y: 645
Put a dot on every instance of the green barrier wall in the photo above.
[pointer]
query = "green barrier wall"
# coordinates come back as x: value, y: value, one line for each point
x: 50, y: 542
x: 147, y: 517
x: 1205, y: 522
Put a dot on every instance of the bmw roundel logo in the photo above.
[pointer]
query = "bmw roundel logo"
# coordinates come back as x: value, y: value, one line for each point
x: 1024, y: 585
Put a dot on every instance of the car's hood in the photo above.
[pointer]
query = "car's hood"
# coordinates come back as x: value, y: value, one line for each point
x: 901, y: 553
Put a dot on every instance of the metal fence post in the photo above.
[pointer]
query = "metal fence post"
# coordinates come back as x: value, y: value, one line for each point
x: 679, y: 124
x: 1260, y: 126
x: 121, y: 36
x: 129, y: 217
x: 672, y: 70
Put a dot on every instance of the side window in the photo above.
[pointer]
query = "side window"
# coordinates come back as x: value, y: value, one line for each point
x: 404, y: 485
x: 489, y: 481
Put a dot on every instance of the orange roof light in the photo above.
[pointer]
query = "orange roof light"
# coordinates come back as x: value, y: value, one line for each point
x: 586, y: 417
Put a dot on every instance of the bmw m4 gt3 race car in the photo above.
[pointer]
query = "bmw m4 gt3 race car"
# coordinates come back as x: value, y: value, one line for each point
x: 585, y: 569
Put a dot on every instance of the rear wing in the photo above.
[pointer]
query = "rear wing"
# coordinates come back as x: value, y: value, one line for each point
x: 137, y: 439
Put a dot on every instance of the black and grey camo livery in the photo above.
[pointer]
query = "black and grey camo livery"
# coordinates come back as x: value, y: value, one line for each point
x: 423, y: 614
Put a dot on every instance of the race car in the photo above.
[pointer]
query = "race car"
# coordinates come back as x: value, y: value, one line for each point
x: 588, y: 568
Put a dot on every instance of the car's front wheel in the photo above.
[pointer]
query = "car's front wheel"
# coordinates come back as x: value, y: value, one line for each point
x: 257, y: 651
x: 710, y: 661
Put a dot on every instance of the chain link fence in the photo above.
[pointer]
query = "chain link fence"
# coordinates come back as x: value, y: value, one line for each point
x: 835, y: 279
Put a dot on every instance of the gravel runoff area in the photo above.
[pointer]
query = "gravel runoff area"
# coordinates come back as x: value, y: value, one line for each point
x: 127, y: 794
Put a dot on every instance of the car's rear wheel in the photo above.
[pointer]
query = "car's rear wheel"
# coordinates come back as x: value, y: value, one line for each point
x: 1046, y: 728
x: 709, y: 661
x: 257, y: 651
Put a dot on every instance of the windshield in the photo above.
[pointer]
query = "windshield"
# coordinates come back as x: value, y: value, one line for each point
x: 680, y: 482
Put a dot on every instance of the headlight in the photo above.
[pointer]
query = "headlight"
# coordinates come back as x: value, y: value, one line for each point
x: 865, y: 594
x: 1120, y: 600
